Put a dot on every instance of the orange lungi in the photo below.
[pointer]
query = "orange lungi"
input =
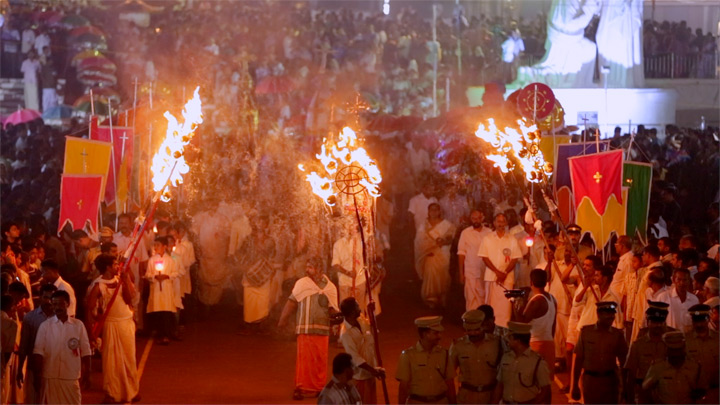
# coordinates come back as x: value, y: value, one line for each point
x: 546, y: 350
x: 311, y: 363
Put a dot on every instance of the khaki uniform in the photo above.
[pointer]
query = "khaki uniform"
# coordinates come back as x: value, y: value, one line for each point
x: 670, y: 385
x: 478, y: 364
x: 600, y: 350
x: 425, y: 372
x: 705, y: 352
x: 644, y: 352
x: 522, y: 377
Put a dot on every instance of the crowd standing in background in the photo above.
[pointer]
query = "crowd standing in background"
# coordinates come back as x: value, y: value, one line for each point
x: 650, y: 310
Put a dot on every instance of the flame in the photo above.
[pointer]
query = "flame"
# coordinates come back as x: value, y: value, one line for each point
x: 335, y: 157
x: 170, y: 153
x: 512, y: 145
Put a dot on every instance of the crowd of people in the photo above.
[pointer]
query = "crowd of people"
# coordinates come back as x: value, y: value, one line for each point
x: 467, y: 229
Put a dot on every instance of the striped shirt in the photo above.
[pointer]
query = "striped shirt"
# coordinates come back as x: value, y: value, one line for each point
x: 314, y: 302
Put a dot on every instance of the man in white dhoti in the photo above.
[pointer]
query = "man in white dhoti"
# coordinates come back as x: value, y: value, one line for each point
x: 161, y: 302
x: 472, y: 267
x: 120, y: 379
x: 62, y: 353
x: 347, y: 261
x: 500, y: 252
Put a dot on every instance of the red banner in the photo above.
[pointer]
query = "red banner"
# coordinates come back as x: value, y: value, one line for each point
x: 80, y: 200
x: 122, y: 140
x: 597, y: 176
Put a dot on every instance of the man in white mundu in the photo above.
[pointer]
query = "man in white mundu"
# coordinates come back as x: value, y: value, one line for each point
x: 500, y: 252
x: 61, y: 354
x: 120, y: 379
x: 347, y: 260
x: 472, y: 266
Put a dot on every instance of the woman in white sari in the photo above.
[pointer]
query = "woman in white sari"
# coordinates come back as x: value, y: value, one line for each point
x: 435, y: 237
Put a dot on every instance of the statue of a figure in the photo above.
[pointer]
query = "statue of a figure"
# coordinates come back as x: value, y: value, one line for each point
x: 570, y: 57
x: 620, y: 44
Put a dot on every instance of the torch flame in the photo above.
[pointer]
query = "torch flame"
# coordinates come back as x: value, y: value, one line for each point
x: 170, y: 153
x: 335, y: 156
x: 523, y: 146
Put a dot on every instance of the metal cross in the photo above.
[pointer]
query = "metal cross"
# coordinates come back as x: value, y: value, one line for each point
x: 122, y: 151
x: 597, y: 177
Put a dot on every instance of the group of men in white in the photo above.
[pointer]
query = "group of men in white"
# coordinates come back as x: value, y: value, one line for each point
x: 63, y: 345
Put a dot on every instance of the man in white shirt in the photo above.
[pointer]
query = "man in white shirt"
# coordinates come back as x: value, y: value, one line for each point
x: 680, y: 299
x: 472, y: 267
x: 30, y: 69
x: 418, y: 207
x: 62, y: 352
x: 51, y: 275
x: 357, y: 340
x: 623, y: 246
x: 347, y: 261
x: 500, y: 252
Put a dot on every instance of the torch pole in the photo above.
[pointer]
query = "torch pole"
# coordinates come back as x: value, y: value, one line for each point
x: 97, y: 327
x: 371, y: 303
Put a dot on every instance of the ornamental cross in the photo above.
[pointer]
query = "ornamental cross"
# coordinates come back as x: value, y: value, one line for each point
x: 79, y: 204
x: 597, y: 177
x: 124, y: 137
x: 84, y: 155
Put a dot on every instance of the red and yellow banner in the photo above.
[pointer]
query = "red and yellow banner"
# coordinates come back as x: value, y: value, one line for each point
x: 597, y: 177
x: 87, y: 157
x: 80, y: 201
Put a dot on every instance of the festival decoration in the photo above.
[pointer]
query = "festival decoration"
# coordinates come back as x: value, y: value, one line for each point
x: 535, y: 101
x: 597, y: 177
x: 637, y: 177
x: 80, y: 201
x: 122, y: 139
x: 601, y: 227
x: 561, y: 181
x: 85, y: 156
x: 348, y: 169
x: 555, y: 120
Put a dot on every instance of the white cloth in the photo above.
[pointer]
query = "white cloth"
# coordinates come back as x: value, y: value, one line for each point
x: 59, y: 391
x: 120, y: 379
x: 306, y: 287
x: 41, y: 41
x: 434, y: 261
x: 541, y: 328
x: 619, y: 42
x: 49, y: 98
x: 62, y: 345
x: 30, y: 70
x: 186, y: 251
x: 589, y: 311
x: 63, y: 285
x: 469, y: 246
x: 678, y: 316
x: 347, y: 253
x: 359, y: 344
x: 162, y: 293
x: 475, y: 294
x: 418, y: 206
x: 176, y: 282
x: 28, y: 40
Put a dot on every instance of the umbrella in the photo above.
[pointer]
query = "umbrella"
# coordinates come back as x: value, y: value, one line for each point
x: 86, y: 29
x: 88, y: 53
x: 97, y: 63
x: 95, y: 78
x: 100, y: 107
x: 58, y: 112
x: 275, y: 85
x: 21, y: 117
x: 89, y: 38
x: 75, y: 20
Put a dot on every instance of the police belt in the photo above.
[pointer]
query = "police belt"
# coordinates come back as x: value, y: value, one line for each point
x: 428, y: 398
x: 608, y: 373
x: 478, y: 388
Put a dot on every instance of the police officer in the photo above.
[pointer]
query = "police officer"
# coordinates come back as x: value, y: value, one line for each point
x: 646, y: 350
x: 523, y: 377
x: 677, y: 379
x: 478, y: 355
x: 424, y: 371
x: 702, y: 346
x: 600, y: 347
x: 574, y: 232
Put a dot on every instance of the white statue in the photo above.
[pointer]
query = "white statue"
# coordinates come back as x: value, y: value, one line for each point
x: 569, y: 57
x: 620, y: 44
x: 569, y: 60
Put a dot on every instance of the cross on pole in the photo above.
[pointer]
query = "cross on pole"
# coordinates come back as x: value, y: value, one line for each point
x: 124, y: 137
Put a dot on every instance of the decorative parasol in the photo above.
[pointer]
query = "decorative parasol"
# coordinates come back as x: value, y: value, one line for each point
x: 74, y: 20
x: 88, y: 53
x: 99, y: 63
